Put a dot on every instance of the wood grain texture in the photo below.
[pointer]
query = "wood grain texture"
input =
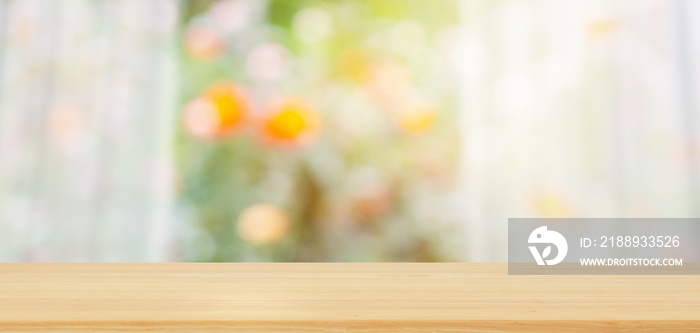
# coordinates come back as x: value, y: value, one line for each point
x: 335, y: 298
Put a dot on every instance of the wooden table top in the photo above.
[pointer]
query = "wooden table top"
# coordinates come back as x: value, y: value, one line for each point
x: 334, y: 297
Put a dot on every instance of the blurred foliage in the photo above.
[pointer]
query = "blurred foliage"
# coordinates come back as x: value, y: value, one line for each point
x: 263, y: 184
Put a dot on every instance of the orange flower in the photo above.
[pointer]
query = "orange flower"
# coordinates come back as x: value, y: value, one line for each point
x: 291, y: 122
x: 219, y: 113
x: 389, y: 81
x: 415, y: 119
x: 374, y: 201
x: 204, y: 43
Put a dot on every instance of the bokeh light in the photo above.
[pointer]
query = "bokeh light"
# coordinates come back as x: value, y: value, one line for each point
x: 374, y: 130
x: 263, y: 224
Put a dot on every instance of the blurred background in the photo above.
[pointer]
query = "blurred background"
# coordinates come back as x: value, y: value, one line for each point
x: 308, y: 130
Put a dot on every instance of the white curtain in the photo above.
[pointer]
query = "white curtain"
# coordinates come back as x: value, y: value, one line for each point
x: 578, y: 108
x: 87, y: 94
